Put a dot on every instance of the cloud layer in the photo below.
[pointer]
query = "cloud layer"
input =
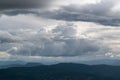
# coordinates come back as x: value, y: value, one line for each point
x: 60, y: 41
x: 101, y: 12
x: 67, y: 33
x: 23, y: 4
x: 19, y: 37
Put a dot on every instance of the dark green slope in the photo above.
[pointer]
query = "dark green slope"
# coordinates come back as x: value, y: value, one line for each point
x: 63, y: 71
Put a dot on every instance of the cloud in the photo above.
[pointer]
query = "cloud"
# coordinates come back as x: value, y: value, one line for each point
x: 71, y: 39
x: 23, y: 4
x: 4, y: 54
x: 69, y: 33
x: 6, y: 37
x: 59, y: 41
x: 14, y: 12
x: 103, y: 12
x: 66, y: 31
x: 16, y: 7
x: 100, y: 12
x: 56, y: 43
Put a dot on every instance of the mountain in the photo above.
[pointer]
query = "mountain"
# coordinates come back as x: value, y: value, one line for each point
x: 114, y: 62
x: 11, y: 62
x: 62, y: 71
x: 32, y: 64
x: 7, y: 64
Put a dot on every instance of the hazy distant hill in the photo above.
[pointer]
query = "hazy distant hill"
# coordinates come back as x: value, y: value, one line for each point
x: 103, y: 61
x: 63, y: 71
x: 7, y: 64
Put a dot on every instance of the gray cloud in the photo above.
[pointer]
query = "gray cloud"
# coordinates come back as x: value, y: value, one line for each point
x: 16, y: 7
x: 100, y: 12
x: 65, y: 31
x: 23, y: 4
x: 23, y: 35
x: 15, y: 12
x: 60, y: 41
x: 6, y: 37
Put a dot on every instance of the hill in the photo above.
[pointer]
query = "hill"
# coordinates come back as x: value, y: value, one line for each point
x: 62, y: 71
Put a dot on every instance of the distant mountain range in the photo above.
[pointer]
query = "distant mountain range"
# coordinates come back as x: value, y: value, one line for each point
x: 7, y: 64
x: 103, y: 69
x: 62, y: 71
x: 102, y: 61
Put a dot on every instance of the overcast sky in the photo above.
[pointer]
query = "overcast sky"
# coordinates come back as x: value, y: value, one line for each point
x: 59, y: 30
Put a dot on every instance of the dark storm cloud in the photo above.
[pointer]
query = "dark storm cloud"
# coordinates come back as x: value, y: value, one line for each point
x: 99, y: 13
x: 23, y: 4
x: 15, y: 12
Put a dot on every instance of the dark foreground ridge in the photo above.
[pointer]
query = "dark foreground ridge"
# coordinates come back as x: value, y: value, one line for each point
x: 62, y: 71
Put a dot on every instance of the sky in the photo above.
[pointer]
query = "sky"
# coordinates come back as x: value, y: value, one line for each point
x: 59, y: 30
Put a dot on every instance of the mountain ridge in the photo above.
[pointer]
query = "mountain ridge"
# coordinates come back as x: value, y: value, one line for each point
x: 62, y: 71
